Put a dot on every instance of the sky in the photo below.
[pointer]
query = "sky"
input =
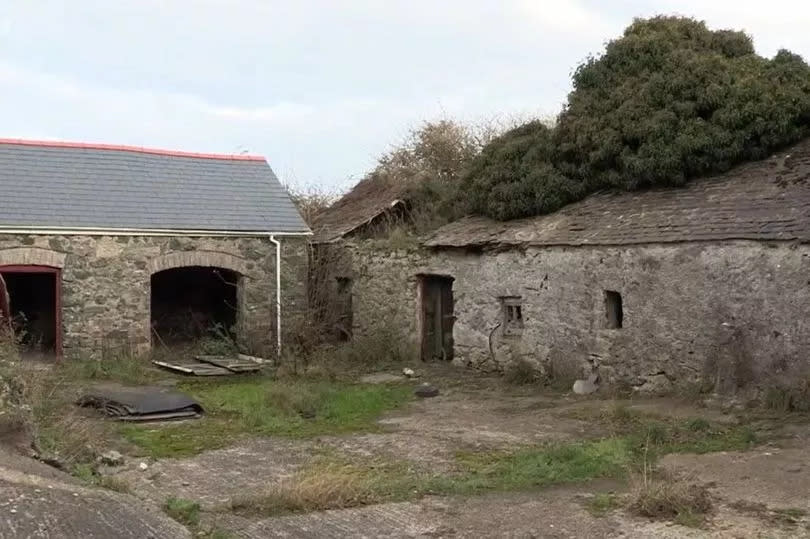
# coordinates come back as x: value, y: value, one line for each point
x: 321, y: 88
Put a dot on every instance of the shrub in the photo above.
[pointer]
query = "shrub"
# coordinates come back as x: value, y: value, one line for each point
x: 311, y: 202
x: 668, y: 101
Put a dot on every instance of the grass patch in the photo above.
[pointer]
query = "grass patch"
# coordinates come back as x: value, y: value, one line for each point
x: 698, y: 424
x: 186, y: 512
x: 603, y: 503
x: 327, y: 483
x: 263, y: 407
x: 539, y: 467
x: 125, y: 369
x: 662, y: 434
x: 674, y: 436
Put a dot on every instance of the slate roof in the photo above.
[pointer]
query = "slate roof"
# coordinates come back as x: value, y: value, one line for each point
x: 45, y: 185
x: 763, y: 200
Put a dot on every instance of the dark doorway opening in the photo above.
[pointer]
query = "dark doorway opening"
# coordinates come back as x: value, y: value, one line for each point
x: 33, y: 307
x: 345, y: 309
x: 190, y: 303
x: 437, y: 317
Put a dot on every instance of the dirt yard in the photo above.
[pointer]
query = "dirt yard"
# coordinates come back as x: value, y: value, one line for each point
x: 485, y: 459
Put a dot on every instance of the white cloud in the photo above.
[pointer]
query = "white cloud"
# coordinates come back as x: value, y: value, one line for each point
x: 321, y: 87
x: 566, y: 18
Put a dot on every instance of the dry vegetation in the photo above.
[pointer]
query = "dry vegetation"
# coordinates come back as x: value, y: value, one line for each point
x: 678, y: 501
x: 311, y: 201
x: 36, y: 422
x: 423, y: 170
x: 328, y: 483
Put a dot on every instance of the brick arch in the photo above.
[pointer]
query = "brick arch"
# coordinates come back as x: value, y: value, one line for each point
x: 31, y: 256
x: 210, y: 259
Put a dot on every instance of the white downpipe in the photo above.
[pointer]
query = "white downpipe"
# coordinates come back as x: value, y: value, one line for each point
x: 278, y: 294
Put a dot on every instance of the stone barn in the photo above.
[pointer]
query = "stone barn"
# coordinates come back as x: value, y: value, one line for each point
x: 705, y: 284
x: 103, y: 247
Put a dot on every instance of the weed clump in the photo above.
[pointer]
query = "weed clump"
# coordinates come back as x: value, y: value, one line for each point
x: 330, y: 483
x: 682, y: 502
x: 336, y: 487
x: 89, y: 474
x: 788, y: 398
x: 603, y: 503
x: 186, y: 512
x: 522, y: 372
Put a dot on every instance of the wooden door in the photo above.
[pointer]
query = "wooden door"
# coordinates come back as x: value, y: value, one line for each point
x: 437, y: 318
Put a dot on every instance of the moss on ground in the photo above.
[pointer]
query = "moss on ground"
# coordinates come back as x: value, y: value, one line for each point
x: 261, y: 406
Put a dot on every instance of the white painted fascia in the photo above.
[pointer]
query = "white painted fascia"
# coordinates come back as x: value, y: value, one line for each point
x: 90, y: 231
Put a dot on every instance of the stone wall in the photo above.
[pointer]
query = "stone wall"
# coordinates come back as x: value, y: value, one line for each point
x: 692, y: 313
x: 106, y: 283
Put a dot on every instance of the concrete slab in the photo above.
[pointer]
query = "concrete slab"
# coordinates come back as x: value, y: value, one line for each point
x: 51, y: 505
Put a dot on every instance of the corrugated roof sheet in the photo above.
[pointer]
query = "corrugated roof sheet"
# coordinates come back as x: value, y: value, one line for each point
x: 56, y: 185
x: 763, y: 200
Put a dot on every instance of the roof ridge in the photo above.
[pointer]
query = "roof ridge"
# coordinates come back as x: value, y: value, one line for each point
x: 125, y: 148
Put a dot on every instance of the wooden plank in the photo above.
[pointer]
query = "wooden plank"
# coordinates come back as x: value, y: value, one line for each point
x: 254, y: 359
x: 231, y: 364
x: 172, y: 367
x: 196, y: 369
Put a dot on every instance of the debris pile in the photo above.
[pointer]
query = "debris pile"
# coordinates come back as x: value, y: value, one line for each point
x: 140, y: 403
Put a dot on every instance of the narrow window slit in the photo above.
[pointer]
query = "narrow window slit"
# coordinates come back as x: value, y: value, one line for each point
x: 614, y: 313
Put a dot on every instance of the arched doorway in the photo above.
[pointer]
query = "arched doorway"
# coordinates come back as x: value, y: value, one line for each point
x: 31, y: 299
x: 190, y: 303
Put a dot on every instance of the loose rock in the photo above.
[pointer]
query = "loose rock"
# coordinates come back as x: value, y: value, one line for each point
x: 586, y: 387
x: 426, y: 391
x: 656, y: 384
x: 112, y: 458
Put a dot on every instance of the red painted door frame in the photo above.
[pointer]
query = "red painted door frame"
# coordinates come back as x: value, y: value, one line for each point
x: 57, y: 273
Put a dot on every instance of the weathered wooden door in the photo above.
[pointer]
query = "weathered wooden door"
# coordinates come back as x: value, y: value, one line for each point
x: 437, y: 318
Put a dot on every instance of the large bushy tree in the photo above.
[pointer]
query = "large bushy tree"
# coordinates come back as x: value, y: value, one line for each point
x: 668, y: 101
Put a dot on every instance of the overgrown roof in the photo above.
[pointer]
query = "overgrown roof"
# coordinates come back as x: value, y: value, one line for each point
x: 369, y: 199
x: 74, y: 186
x: 762, y: 200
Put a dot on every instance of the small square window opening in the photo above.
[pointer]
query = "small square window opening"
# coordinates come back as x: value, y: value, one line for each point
x: 512, y: 310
